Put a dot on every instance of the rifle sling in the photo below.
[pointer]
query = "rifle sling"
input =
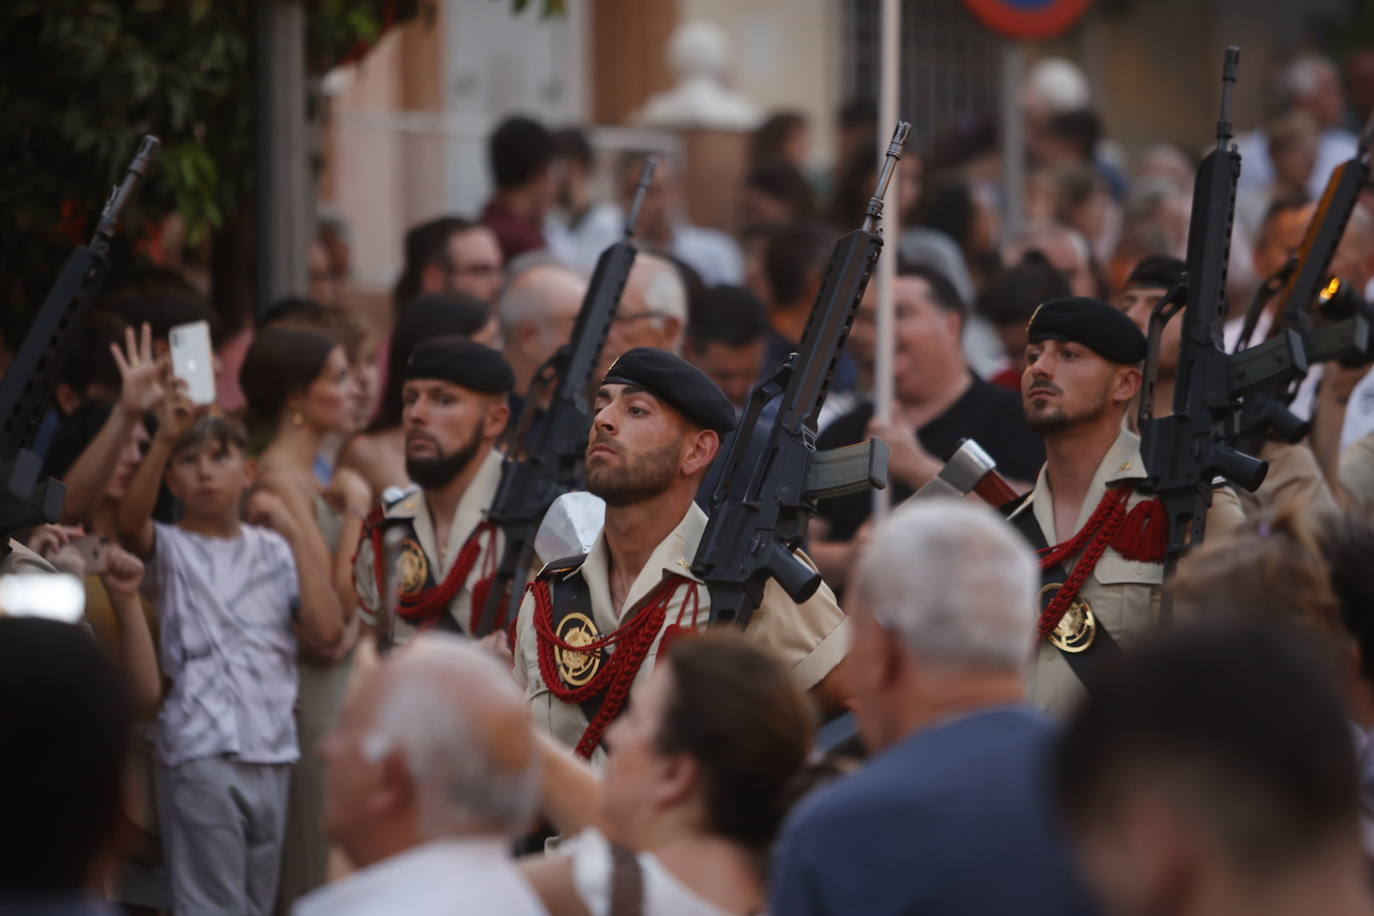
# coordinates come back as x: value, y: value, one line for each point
x: 1104, y: 649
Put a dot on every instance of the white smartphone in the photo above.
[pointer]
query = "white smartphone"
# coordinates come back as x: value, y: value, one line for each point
x: 193, y: 361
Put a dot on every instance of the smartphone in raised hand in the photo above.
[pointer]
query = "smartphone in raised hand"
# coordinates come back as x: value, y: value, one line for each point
x: 94, y: 550
x: 193, y: 361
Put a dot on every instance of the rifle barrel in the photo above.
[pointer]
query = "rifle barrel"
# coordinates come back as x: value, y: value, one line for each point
x: 893, y: 155
x: 1228, y: 81
x: 646, y: 178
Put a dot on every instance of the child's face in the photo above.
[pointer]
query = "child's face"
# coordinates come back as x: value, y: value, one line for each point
x: 209, y: 479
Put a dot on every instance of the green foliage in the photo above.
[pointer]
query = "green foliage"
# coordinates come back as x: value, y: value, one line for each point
x: 81, y: 81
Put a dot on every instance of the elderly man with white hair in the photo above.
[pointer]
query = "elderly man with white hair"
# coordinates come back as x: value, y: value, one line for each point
x: 432, y: 771
x: 652, y: 311
x: 952, y: 814
x: 537, y: 310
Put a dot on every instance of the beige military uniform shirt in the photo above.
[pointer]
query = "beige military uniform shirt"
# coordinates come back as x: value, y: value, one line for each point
x: 811, y: 638
x: 421, y: 554
x: 1123, y: 594
x: 1357, y: 471
x: 1294, y: 475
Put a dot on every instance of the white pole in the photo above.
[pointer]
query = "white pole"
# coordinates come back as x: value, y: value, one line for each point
x: 889, y: 36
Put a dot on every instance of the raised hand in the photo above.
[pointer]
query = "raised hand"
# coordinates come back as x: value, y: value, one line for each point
x: 123, y: 572
x: 907, y: 461
x: 175, y: 411
x: 141, y: 374
x: 348, y: 493
x: 268, y: 510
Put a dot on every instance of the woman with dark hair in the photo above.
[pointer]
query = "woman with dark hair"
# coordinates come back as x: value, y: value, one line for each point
x: 702, y: 770
x: 783, y: 137
x: 300, y: 389
x: 378, y: 452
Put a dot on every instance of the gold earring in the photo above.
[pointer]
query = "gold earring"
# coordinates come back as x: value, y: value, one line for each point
x: 297, y: 419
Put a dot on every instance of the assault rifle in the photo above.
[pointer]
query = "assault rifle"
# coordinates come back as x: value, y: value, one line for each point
x: 546, y: 447
x: 1185, y: 452
x: 755, y: 526
x: 27, y: 387
x: 1304, y: 284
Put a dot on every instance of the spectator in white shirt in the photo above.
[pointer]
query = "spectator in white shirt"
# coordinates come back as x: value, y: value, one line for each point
x: 432, y: 771
x: 662, y: 227
x: 1310, y: 83
x: 232, y: 601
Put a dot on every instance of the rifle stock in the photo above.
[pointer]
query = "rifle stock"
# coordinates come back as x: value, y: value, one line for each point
x: 551, y: 464
x: 759, y: 514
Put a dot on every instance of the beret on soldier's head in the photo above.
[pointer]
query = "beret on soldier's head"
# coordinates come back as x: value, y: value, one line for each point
x: 1091, y: 322
x: 677, y: 383
x: 462, y: 362
x: 1156, y: 271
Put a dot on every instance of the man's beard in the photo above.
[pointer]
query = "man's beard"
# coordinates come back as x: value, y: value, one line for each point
x: 1049, y: 421
x: 437, y: 472
x: 639, y: 479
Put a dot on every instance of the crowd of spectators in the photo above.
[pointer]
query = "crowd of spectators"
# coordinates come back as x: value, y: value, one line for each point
x: 219, y: 736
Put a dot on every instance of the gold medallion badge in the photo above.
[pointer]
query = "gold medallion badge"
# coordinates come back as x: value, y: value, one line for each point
x: 1077, y: 628
x: 577, y: 667
x: 412, y: 567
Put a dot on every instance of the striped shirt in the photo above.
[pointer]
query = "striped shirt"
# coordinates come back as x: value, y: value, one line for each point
x: 228, y: 645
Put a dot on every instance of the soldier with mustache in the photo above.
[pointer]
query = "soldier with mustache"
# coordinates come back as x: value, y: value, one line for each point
x: 1101, y: 539
x: 590, y: 627
x: 454, y: 410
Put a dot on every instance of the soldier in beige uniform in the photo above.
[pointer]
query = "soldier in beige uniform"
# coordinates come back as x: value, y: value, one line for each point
x: 1102, y: 540
x: 1294, y: 472
x: 436, y: 539
x: 590, y: 628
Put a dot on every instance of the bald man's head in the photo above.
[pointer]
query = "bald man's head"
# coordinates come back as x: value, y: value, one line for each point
x: 537, y: 310
x: 435, y: 743
x: 652, y: 312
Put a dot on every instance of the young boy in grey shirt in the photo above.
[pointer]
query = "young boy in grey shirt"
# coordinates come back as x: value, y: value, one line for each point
x: 232, y: 600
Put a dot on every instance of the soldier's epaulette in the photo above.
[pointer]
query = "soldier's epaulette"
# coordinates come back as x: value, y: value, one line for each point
x: 393, y: 495
x: 559, y: 567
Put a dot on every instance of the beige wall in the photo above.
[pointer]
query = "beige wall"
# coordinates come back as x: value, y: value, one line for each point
x: 786, y: 55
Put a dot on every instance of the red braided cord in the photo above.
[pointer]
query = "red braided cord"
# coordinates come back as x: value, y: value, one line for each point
x: 636, y: 636
x: 426, y: 606
x: 1097, y: 534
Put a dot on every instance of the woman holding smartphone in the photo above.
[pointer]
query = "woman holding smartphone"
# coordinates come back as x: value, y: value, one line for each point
x: 301, y: 389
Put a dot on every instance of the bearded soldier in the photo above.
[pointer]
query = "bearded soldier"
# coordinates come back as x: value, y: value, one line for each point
x: 591, y: 627
x: 1101, y: 539
x: 435, y: 540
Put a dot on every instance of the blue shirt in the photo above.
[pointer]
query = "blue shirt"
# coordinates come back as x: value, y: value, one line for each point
x: 957, y: 819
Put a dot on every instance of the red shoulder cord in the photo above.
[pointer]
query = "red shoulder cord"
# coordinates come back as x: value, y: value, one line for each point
x: 422, y: 609
x: 1093, y: 539
x: 634, y: 637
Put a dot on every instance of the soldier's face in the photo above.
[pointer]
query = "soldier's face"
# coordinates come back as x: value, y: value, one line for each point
x: 1067, y: 385
x: 1138, y: 302
x: 635, y: 446
x: 445, y: 426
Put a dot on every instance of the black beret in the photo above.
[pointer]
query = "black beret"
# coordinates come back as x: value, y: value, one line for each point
x: 677, y: 383
x: 1156, y: 271
x: 462, y: 362
x: 1093, y: 323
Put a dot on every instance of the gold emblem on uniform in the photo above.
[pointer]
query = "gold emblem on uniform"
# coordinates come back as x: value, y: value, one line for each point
x: 574, y: 667
x: 412, y: 567
x: 1077, y: 628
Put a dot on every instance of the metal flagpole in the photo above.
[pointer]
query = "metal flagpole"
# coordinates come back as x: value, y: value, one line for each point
x: 889, y: 37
